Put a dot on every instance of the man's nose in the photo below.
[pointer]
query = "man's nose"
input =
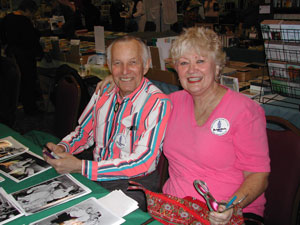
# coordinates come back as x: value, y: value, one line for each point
x: 125, y: 69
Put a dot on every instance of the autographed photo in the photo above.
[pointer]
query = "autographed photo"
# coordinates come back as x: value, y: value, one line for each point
x: 10, y: 147
x: 23, y: 166
x: 8, y: 211
x: 49, y: 193
x: 88, y: 212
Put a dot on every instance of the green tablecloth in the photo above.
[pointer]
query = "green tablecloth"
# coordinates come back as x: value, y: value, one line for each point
x: 136, y: 217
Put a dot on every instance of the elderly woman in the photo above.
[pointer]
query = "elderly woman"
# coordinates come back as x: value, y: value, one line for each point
x: 214, y: 134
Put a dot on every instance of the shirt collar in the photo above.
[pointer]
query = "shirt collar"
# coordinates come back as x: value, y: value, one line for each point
x: 135, y: 93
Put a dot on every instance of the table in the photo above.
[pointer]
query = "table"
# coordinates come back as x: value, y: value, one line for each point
x: 94, y: 70
x: 286, y: 108
x: 136, y: 217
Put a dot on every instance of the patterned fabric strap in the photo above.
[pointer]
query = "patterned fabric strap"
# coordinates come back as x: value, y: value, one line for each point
x: 169, y: 209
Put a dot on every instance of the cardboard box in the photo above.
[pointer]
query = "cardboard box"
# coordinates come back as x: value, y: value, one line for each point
x: 245, y: 71
x: 163, y: 76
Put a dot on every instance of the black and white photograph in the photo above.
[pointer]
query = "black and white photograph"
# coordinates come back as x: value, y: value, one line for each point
x: 49, y: 193
x: 230, y: 82
x: 23, y: 166
x: 8, y: 211
x: 88, y: 212
x: 10, y: 147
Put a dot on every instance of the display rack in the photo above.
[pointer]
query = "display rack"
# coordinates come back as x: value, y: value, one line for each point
x: 282, y: 49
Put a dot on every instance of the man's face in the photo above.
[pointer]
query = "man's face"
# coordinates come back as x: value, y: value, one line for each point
x: 127, y: 66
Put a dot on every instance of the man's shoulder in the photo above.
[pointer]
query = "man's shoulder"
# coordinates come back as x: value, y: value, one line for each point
x: 152, y: 89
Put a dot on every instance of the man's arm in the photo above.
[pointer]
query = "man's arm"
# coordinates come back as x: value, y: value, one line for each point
x: 82, y: 137
x: 74, y: 143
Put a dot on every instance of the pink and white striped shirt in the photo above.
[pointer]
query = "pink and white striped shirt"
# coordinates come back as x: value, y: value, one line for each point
x: 128, y: 133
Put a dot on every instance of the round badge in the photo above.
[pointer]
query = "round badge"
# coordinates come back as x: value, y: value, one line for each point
x: 220, y: 126
x: 120, y: 140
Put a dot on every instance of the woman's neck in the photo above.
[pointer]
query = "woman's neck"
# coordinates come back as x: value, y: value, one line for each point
x: 209, y: 97
x: 205, y: 104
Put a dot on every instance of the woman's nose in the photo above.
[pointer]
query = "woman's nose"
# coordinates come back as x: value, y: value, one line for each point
x: 191, y: 68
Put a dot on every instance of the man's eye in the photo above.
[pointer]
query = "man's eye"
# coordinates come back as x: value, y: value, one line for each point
x: 132, y: 62
x: 116, y: 63
x: 200, y: 61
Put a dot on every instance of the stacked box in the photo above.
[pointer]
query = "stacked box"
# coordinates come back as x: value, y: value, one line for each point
x: 290, y: 31
x: 271, y: 29
x: 292, y: 52
x: 274, y: 50
x: 277, y: 69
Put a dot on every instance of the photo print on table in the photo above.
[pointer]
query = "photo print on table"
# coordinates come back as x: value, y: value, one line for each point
x: 23, y: 166
x: 10, y: 147
x: 88, y: 212
x: 8, y: 210
x: 49, y: 193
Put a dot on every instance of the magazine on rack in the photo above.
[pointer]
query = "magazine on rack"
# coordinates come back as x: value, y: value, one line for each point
x: 23, y: 166
x: 10, y: 147
x: 8, y: 210
x: 88, y: 212
x: 49, y: 193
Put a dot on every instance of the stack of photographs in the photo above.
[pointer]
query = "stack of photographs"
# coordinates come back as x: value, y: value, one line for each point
x: 88, y: 212
x: 49, y: 193
x: 8, y: 209
x: 17, y: 162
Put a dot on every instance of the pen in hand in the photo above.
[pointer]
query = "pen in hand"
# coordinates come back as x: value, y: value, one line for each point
x: 230, y: 202
x: 49, y: 153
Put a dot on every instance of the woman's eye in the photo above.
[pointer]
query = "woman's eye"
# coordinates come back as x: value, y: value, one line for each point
x: 183, y: 63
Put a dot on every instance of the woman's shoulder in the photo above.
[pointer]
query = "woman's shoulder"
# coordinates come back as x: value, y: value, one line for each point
x: 240, y: 101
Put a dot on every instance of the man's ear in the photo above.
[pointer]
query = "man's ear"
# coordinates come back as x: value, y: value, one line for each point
x: 147, y: 66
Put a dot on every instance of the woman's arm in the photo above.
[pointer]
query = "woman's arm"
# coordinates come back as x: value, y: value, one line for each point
x: 252, y: 187
x: 102, y: 84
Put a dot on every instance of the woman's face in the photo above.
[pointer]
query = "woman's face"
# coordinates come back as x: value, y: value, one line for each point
x: 196, y: 72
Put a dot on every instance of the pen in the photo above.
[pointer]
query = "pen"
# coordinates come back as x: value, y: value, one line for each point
x: 231, y: 201
x: 148, y: 221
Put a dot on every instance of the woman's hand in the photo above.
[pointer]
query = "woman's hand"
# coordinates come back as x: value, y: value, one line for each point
x: 220, y: 218
x: 102, y: 84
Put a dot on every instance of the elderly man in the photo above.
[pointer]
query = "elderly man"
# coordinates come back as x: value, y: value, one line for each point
x: 127, y: 126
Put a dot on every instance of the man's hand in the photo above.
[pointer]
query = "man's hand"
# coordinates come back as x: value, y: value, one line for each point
x: 66, y: 163
x: 102, y: 84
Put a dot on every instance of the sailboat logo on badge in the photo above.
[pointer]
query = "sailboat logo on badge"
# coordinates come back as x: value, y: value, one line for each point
x: 121, y: 140
x: 220, y: 126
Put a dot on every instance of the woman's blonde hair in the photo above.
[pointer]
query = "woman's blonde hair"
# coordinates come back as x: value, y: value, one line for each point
x: 203, y: 41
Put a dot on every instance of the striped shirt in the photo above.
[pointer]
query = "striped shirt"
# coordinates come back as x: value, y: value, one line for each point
x: 128, y: 133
